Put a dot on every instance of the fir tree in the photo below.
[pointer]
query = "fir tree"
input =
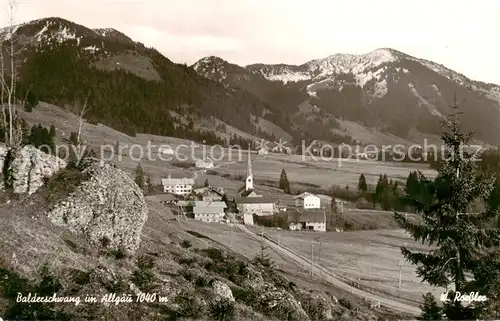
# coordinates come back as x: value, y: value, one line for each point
x: 284, y: 184
x: 362, y: 186
x: 461, y: 238
x: 140, y: 178
x: 52, y: 130
x: 430, y: 308
x: 333, y: 203
x: 206, y: 184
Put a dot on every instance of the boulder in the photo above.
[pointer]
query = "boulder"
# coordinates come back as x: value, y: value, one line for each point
x: 28, y: 168
x: 222, y: 290
x: 109, y: 208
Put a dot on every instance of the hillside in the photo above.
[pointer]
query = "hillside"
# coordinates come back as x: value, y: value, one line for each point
x: 386, y: 91
x: 130, y: 87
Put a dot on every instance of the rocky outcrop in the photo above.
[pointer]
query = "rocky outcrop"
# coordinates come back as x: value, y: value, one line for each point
x: 27, y: 168
x: 222, y: 290
x: 272, y: 299
x: 109, y: 208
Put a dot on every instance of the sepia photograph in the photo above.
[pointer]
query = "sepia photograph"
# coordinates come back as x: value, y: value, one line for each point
x: 237, y: 160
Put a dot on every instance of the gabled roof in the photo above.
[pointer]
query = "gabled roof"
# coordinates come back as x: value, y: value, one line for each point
x: 202, y: 207
x: 177, y: 181
x: 215, y: 204
x: 304, y: 195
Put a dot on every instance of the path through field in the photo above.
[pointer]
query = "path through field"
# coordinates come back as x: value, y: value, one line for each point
x: 333, y: 279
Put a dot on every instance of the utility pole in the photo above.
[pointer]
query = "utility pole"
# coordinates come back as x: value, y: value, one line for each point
x: 231, y: 236
x: 312, y: 256
x: 262, y: 232
x: 400, y: 266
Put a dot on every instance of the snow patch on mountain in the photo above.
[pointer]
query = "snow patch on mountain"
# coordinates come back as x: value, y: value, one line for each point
x: 432, y: 109
x: 104, y: 31
x: 211, y: 67
x: 348, y: 63
x: 288, y: 76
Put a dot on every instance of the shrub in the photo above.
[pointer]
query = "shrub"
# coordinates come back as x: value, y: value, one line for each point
x: 215, y: 254
x: 63, y: 183
x: 222, y: 310
x: 186, y: 244
x: 345, y: 303
x: 189, y: 306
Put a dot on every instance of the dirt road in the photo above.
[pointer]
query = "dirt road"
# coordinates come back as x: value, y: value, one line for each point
x: 333, y: 279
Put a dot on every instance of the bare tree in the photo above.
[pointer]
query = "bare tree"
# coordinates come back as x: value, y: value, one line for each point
x: 82, y: 111
x: 8, y: 80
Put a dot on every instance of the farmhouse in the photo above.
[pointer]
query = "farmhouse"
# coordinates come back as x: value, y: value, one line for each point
x: 260, y: 206
x: 210, y: 194
x: 307, y: 200
x: 263, y: 151
x: 313, y: 219
x: 178, y: 186
x: 205, y: 163
x: 167, y: 198
x: 209, y: 211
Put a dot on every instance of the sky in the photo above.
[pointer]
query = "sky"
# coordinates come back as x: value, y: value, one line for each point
x: 462, y: 35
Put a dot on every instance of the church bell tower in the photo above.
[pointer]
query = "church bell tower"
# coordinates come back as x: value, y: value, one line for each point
x: 249, y: 179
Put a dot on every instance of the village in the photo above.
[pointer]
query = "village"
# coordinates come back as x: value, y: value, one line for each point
x: 251, y: 206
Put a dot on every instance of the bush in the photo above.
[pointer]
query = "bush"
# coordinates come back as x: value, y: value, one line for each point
x: 215, y: 254
x: 144, y: 276
x: 222, y: 310
x: 63, y: 183
x: 190, y: 306
x: 186, y: 244
x: 345, y: 303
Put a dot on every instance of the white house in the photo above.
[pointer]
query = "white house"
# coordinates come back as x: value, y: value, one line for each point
x: 178, y: 186
x: 313, y: 220
x: 307, y: 200
x: 209, y: 211
x: 205, y: 163
x: 248, y: 219
x: 167, y: 150
x: 263, y: 151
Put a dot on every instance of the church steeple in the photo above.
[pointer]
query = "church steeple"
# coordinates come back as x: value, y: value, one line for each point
x: 249, y: 179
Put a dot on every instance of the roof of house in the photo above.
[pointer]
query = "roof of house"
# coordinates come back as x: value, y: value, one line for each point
x: 254, y: 200
x: 304, y: 195
x: 215, y: 204
x: 166, y: 197
x: 245, y: 193
x: 177, y: 181
x: 201, y: 207
x: 310, y: 215
x: 207, y: 210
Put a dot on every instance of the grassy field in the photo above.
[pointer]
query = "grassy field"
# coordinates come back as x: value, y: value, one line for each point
x: 370, y: 258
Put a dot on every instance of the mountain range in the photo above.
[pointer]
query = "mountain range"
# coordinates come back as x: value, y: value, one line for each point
x: 382, y: 97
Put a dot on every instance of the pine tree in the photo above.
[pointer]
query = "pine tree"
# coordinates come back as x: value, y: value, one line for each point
x: 52, y: 130
x: 284, y: 184
x: 462, y: 239
x: 362, y: 186
x: 430, y: 308
x: 333, y: 203
x: 140, y: 178
x: 206, y: 184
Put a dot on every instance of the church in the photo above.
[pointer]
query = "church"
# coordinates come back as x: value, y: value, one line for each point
x: 251, y: 201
